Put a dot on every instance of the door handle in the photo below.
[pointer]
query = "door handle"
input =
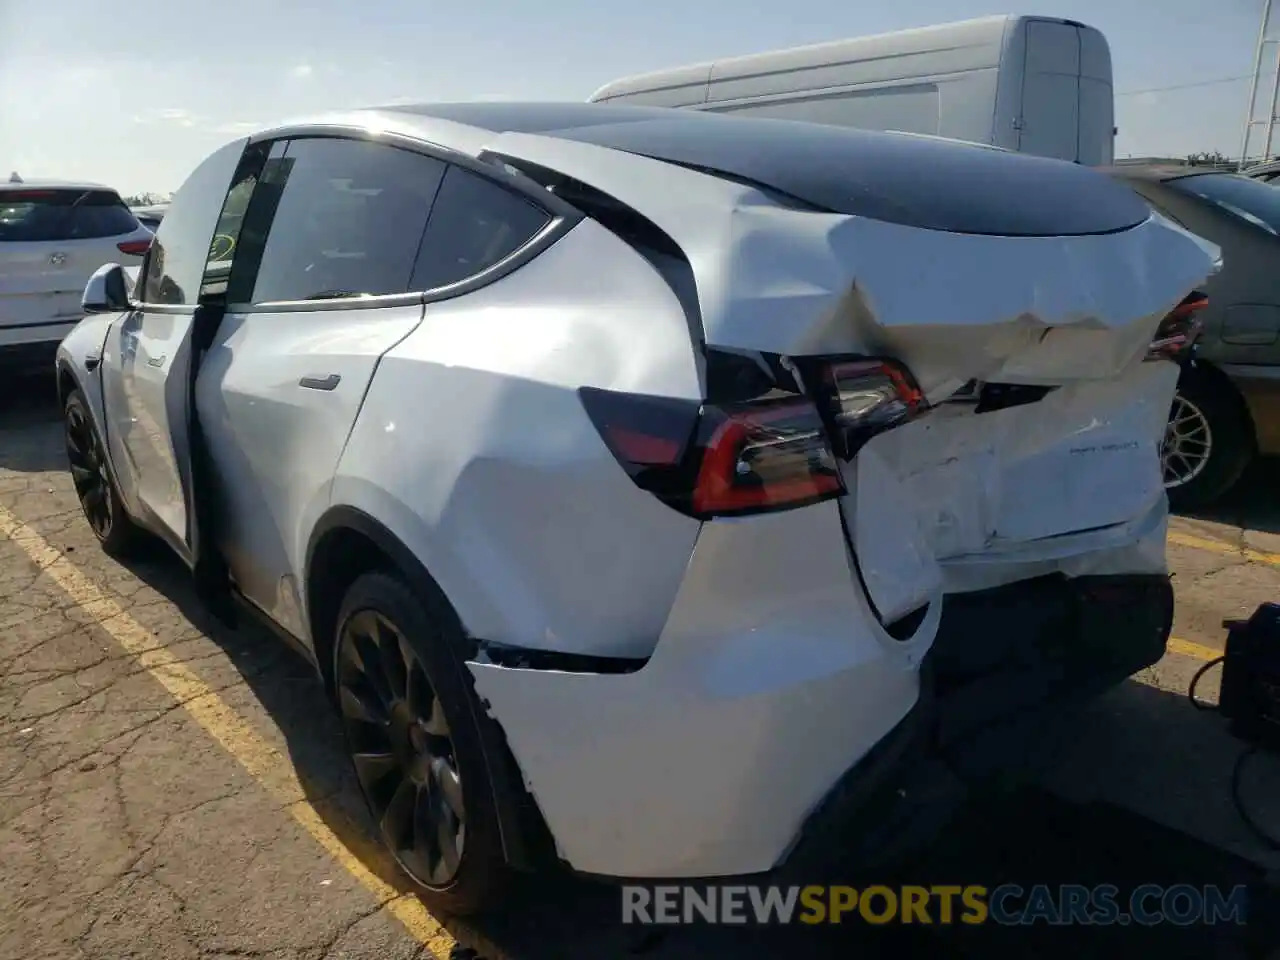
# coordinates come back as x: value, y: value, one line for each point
x: 155, y: 361
x: 328, y: 381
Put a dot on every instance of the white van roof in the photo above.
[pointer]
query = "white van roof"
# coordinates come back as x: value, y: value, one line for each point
x: 976, y: 34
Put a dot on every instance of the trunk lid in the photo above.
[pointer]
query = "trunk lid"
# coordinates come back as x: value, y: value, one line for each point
x: 965, y: 500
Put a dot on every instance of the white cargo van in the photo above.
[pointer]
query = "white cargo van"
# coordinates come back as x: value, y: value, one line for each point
x: 1034, y: 84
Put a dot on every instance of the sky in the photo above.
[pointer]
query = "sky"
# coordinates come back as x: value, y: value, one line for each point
x: 136, y: 94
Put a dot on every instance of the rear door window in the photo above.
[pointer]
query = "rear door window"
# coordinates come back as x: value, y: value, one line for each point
x: 347, y: 219
x: 40, y: 216
x: 475, y: 223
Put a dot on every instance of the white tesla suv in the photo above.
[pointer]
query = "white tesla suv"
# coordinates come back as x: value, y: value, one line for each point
x: 53, y: 235
x: 612, y: 466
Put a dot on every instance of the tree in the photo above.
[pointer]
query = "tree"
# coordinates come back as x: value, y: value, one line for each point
x: 1208, y: 159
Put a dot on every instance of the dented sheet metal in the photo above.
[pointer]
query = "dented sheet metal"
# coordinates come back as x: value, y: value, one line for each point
x: 964, y: 501
x: 1046, y: 310
x: 1033, y: 487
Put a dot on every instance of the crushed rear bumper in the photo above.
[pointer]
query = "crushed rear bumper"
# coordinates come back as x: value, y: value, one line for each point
x: 1006, y: 673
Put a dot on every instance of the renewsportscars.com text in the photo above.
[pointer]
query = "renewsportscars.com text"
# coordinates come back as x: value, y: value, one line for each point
x: 1008, y: 904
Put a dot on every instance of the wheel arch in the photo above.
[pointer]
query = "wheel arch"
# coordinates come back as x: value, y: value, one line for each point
x: 346, y: 543
x: 67, y: 381
x: 1210, y: 371
x: 69, y: 378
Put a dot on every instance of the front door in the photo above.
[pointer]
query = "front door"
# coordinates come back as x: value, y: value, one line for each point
x: 148, y: 359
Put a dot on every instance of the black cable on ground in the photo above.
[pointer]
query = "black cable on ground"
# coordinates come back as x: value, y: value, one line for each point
x: 1237, y: 772
x: 1195, y: 682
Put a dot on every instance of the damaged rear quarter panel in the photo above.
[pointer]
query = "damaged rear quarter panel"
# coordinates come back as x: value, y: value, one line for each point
x: 954, y: 307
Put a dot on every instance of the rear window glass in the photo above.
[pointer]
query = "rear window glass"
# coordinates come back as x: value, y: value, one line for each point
x: 35, y: 216
x: 474, y: 224
x: 1249, y: 199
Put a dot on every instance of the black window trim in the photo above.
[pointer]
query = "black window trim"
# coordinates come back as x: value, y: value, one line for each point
x: 136, y: 303
x: 563, y: 218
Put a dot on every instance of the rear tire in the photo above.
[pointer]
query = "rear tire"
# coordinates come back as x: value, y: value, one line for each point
x: 1208, y: 442
x: 99, y: 498
x: 406, y: 705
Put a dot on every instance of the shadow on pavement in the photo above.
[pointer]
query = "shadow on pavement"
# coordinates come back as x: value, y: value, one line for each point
x: 1252, y: 503
x: 1027, y: 836
x: 28, y: 404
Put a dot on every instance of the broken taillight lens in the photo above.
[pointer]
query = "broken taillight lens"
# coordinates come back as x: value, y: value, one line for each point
x: 1179, y: 330
x: 863, y: 397
x: 777, y: 451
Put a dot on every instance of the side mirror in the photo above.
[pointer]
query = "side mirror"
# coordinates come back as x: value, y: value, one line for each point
x: 107, y: 291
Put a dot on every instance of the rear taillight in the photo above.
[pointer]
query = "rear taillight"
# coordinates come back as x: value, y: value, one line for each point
x: 134, y: 248
x: 864, y: 397
x: 761, y: 455
x: 778, y: 451
x: 1179, y: 330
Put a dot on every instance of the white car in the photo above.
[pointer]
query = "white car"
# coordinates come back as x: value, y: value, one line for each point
x: 151, y: 216
x: 605, y: 462
x: 53, y: 235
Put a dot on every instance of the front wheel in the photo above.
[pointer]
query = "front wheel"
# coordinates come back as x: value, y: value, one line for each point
x: 407, y: 716
x: 1207, y: 442
x: 96, y: 491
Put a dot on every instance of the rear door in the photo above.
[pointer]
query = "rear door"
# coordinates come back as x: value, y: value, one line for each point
x: 321, y: 264
x: 51, y: 241
x: 1050, y: 119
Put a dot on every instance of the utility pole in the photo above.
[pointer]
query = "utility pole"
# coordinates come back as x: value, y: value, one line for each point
x: 1260, y: 120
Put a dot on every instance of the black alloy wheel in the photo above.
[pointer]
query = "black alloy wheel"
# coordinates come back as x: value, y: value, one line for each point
x: 91, y: 477
x: 89, y: 472
x: 402, y: 747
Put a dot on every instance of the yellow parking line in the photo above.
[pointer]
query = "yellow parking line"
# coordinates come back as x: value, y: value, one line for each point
x: 271, y: 768
x: 1189, y: 648
x: 262, y: 761
x: 1222, y: 547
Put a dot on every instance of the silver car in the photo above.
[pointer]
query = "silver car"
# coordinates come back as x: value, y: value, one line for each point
x: 1227, y: 409
x: 611, y: 467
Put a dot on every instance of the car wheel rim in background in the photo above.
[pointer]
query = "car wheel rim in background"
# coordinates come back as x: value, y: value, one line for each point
x: 1187, y: 445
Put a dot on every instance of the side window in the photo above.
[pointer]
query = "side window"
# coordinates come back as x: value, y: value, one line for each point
x: 474, y: 224
x: 348, y: 219
x: 225, y: 249
x: 180, y: 250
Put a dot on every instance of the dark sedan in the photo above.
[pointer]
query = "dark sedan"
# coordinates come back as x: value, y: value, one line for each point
x: 1228, y: 405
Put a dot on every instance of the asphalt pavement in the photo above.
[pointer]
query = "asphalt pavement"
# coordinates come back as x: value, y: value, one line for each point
x: 173, y: 789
